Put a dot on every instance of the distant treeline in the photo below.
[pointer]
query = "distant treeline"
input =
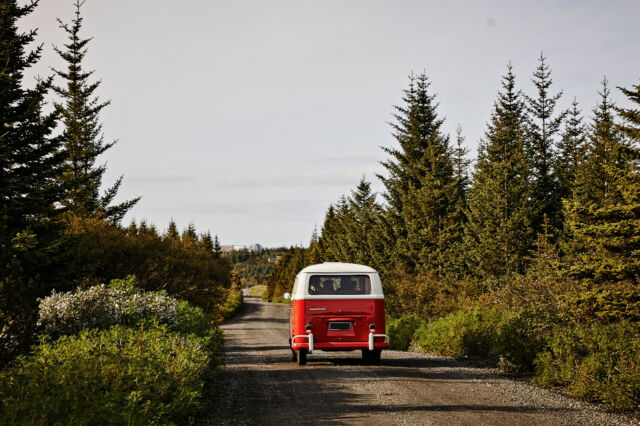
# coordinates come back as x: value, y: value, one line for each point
x: 58, y: 228
x: 253, y: 267
x: 546, y: 224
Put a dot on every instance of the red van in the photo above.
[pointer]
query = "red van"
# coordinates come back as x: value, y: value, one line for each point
x: 337, y: 307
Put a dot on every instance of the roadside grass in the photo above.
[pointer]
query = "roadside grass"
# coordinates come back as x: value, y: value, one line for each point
x: 258, y: 290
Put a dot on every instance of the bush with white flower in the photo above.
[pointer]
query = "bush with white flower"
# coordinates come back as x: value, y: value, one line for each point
x: 102, y: 306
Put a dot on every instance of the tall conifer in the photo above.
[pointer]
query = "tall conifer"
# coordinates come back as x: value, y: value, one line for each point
x: 420, y: 180
x: 603, y: 218
x: 83, y: 137
x: 30, y: 162
x: 544, y: 126
x: 498, y: 235
x: 571, y: 151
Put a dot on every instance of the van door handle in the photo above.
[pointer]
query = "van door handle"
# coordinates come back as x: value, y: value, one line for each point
x: 317, y: 309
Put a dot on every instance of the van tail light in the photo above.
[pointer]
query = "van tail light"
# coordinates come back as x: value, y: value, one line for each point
x: 372, y: 328
x: 307, y: 329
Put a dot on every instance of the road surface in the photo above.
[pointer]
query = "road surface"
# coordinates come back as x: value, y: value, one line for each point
x: 263, y: 386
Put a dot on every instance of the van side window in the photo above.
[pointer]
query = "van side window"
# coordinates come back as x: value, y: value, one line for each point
x: 339, y: 284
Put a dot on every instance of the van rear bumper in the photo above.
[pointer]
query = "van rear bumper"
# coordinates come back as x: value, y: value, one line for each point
x: 339, y: 346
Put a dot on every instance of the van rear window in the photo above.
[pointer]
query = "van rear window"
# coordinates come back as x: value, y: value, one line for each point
x: 339, y: 284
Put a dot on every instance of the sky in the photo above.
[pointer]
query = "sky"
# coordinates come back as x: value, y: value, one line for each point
x: 248, y: 118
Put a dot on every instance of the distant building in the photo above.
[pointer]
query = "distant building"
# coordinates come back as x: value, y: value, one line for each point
x: 237, y: 247
x: 274, y: 259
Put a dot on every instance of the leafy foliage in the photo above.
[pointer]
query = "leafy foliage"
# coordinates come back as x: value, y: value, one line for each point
x: 120, y: 375
x: 401, y: 331
x: 600, y: 362
x: 153, y: 366
x: 183, y: 266
x: 102, y: 306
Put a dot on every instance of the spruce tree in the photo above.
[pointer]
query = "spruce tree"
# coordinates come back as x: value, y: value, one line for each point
x: 498, y: 234
x: 603, y: 217
x: 30, y: 193
x: 543, y: 128
x: 631, y: 117
x: 83, y: 137
x: 571, y: 151
x: 314, y: 252
x: 364, y: 234
x: 420, y: 180
x: 455, y: 260
x: 217, y: 250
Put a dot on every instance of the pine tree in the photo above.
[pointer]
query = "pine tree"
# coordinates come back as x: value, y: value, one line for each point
x: 571, y: 151
x: 543, y: 128
x: 217, y: 250
x: 631, y: 117
x: 314, y: 252
x: 30, y: 193
x: 498, y: 235
x: 172, y: 232
x: 364, y: 235
x: 420, y: 179
x: 454, y: 262
x: 603, y: 218
x: 83, y: 137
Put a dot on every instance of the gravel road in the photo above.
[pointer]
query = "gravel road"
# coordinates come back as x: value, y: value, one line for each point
x: 263, y: 386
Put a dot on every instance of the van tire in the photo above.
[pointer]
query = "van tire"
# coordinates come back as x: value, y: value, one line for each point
x: 301, y: 357
x: 294, y: 355
x: 371, y: 357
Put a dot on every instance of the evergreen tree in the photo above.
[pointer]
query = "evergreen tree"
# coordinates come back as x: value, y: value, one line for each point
x: 314, y: 253
x: 571, y: 151
x: 206, y: 242
x: 543, y: 128
x: 30, y: 161
x: 603, y: 218
x: 420, y: 180
x: 364, y: 233
x: 498, y: 235
x: 455, y: 261
x: 172, y: 231
x: 631, y: 117
x: 83, y: 137
x: 217, y: 250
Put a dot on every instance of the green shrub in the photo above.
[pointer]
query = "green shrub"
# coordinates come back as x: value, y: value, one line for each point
x: 462, y: 334
x: 232, y: 304
x: 117, y: 376
x: 520, y: 338
x: 401, y: 331
x: 103, y: 306
x: 598, y: 361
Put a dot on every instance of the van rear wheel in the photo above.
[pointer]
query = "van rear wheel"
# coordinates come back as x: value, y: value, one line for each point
x: 371, y: 357
x: 301, y: 356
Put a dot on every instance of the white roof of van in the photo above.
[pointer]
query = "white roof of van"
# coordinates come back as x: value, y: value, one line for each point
x: 338, y: 268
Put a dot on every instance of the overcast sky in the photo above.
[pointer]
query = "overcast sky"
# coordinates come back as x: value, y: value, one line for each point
x: 248, y: 118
